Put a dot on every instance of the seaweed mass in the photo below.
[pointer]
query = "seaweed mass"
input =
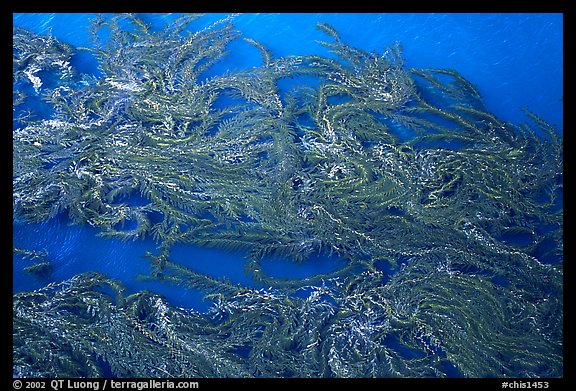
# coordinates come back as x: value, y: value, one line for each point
x: 402, y: 173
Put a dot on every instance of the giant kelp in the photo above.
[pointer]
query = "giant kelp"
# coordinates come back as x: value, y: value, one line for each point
x: 403, y: 173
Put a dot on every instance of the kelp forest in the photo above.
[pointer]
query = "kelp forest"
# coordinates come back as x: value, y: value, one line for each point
x: 448, y: 219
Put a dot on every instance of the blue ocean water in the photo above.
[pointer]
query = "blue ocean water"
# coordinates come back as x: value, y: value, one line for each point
x: 515, y: 60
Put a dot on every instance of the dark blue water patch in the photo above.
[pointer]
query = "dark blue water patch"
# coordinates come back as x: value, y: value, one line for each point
x: 107, y: 290
x: 302, y: 126
x: 450, y: 370
x: 262, y: 157
x: 33, y: 104
x: 71, y: 28
x: 473, y: 270
x: 126, y: 225
x: 393, y: 341
x: 49, y: 164
x: 500, y: 280
x: 228, y: 99
x: 395, y: 210
x: 85, y: 62
x: 548, y: 251
x: 304, y: 292
x: 155, y: 217
x: 390, y: 268
x: 51, y: 78
x: 240, y: 55
x: 23, y: 281
x: 132, y: 199
x: 541, y: 196
x: 242, y: 351
x: 105, y: 369
x: 282, y: 268
x: 304, y: 123
x: 246, y: 55
x: 42, y: 271
x: 517, y: 239
x: 387, y: 268
x: 286, y: 33
x: 544, y: 229
x: 338, y: 99
x: 74, y: 249
x: 161, y: 21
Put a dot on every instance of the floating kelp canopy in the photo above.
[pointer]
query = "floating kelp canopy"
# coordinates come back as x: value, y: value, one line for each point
x: 402, y: 173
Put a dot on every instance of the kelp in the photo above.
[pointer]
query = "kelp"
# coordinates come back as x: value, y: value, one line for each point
x: 404, y: 174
